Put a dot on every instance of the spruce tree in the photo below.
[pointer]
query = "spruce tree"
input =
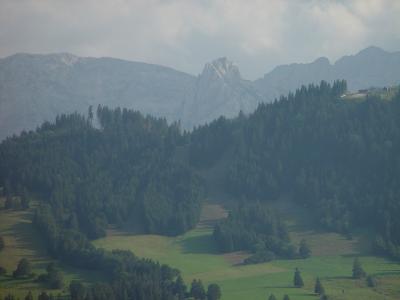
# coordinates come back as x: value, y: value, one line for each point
x: 297, y: 280
x: 197, y: 290
x: 319, y: 289
x: 358, y: 271
x: 272, y: 297
x: 180, y: 288
x: 23, y: 268
x: 213, y: 292
x: 29, y: 296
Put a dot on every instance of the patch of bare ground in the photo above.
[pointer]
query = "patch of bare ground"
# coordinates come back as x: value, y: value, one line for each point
x: 236, y: 258
x: 211, y: 214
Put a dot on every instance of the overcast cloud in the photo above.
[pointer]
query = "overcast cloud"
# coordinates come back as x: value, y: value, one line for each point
x: 184, y: 34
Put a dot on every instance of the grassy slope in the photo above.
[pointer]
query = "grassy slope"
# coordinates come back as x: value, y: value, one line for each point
x: 195, y: 254
x: 23, y: 241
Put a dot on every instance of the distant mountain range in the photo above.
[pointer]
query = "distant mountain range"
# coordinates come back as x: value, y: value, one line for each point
x: 35, y: 88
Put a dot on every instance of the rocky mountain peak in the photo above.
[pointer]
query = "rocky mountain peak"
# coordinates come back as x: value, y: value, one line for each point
x: 221, y: 68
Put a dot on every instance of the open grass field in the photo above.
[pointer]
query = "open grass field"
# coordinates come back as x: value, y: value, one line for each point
x: 194, y: 253
x: 23, y: 241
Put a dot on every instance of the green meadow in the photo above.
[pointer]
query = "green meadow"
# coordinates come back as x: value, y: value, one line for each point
x: 195, y: 254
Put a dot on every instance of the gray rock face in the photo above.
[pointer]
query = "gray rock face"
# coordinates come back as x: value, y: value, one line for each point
x: 371, y: 67
x: 219, y: 90
x: 36, y: 88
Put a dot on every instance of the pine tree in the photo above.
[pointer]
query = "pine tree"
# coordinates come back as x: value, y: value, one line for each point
x: 272, y: 297
x: 358, y: 271
x: 297, y: 280
x: 23, y: 268
x: 197, y: 290
x: 319, y: 289
x: 213, y: 292
x: 180, y: 288
x: 29, y: 296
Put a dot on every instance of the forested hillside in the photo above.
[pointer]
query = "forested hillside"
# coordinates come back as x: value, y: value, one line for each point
x: 91, y: 177
x: 337, y: 157
x: 84, y: 179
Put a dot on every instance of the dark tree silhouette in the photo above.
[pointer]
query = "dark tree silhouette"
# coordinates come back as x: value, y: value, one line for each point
x: 318, y: 288
x: 297, y: 280
x: 23, y: 268
x: 358, y: 271
x: 213, y: 292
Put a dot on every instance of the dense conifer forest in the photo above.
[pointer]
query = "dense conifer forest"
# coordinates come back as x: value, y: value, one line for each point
x: 124, y: 173
x: 337, y: 157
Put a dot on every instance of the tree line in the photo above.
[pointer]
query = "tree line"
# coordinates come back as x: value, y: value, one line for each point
x: 254, y: 228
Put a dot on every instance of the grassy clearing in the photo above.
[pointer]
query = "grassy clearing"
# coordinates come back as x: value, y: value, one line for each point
x: 194, y: 253
x: 23, y: 241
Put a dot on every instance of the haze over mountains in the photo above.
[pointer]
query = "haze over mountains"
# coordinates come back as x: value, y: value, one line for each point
x: 35, y: 88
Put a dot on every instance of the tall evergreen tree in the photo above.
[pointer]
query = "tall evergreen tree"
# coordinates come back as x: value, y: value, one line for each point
x: 29, y: 296
x: 23, y: 268
x: 297, y: 280
x: 180, y: 288
x: 318, y: 288
x: 272, y: 297
x: 197, y: 290
x: 213, y: 292
x: 358, y: 271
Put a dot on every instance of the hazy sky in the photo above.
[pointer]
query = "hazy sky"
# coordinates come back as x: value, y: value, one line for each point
x: 184, y: 34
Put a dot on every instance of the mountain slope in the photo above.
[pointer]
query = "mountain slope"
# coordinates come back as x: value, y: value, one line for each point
x: 371, y: 67
x: 36, y: 88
